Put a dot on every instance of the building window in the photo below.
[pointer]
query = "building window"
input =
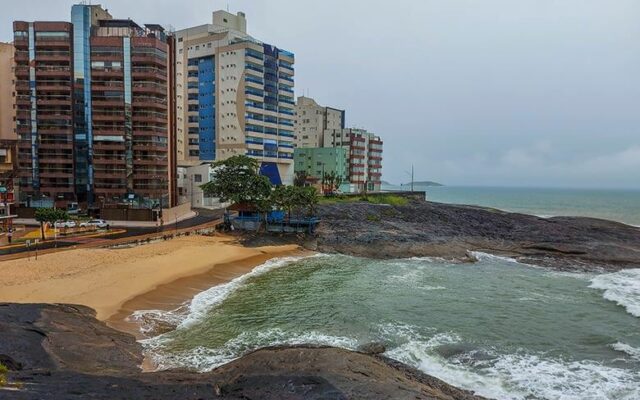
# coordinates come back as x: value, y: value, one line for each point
x: 197, y: 178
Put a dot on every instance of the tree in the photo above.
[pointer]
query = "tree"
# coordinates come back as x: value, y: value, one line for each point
x: 309, y: 198
x: 300, y: 179
x: 237, y: 180
x: 50, y: 216
x: 331, y: 181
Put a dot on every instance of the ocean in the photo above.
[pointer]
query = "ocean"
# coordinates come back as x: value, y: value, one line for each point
x: 616, y: 205
x: 500, y: 328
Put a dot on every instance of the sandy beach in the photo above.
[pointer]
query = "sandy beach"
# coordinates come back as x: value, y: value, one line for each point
x: 118, y: 281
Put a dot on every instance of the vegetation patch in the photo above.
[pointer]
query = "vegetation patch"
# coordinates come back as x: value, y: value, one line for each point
x: 389, y: 199
x: 373, y: 218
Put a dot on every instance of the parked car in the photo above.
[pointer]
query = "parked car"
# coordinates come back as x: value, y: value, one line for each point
x: 65, y: 224
x: 97, y: 223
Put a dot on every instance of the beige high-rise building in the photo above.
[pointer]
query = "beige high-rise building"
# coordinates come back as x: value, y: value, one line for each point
x: 234, y: 95
x: 314, y: 121
x: 7, y: 93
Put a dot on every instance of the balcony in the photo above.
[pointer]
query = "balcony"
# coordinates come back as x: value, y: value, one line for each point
x: 107, y: 73
x: 107, y: 85
x: 112, y: 103
x: 148, y: 59
x: 254, y: 68
x: 53, y: 71
x: 149, y: 72
x: 62, y: 43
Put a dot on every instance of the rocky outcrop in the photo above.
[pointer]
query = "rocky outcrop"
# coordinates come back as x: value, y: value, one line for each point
x: 63, y: 352
x: 421, y: 229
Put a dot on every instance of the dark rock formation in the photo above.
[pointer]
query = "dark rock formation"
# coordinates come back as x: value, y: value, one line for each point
x: 372, y: 348
x: 63, y: 352
x: 421, y: 229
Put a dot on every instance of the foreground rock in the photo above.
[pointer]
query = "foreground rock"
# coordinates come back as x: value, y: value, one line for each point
x: 421, y: 229
x: 63, y: 352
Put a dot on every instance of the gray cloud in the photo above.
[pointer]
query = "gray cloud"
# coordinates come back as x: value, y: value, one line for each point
x: 492, y: 92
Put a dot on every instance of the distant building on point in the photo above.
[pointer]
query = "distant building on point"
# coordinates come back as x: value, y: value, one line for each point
x: 364, y: 156
x: 320, y: 130
x: 315, y: 162
x: 314, y: 121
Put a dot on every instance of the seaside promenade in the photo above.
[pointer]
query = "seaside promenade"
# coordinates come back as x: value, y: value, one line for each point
x: 203, y: 220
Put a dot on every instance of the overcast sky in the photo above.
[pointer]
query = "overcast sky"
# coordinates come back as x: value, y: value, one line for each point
x: 473, y: 92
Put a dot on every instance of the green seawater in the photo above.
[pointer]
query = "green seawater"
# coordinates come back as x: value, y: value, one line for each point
x: 616, y: 205
x: 497, y: 327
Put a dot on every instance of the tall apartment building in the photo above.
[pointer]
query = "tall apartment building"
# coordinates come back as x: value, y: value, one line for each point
x: 8, y: 137
x: 94, y: 116
x: 7, y: 93
x: 364, y: 157
x: 234, y: 95
x: 314, y: 121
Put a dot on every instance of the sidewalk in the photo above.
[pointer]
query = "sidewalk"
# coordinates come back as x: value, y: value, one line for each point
x: 117, y: 224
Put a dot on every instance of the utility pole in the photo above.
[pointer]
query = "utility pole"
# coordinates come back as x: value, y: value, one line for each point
x: 411, y: 177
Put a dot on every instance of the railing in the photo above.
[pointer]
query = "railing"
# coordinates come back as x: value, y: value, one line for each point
x: 254, y: 92
x: 254, y: 128
x: 254, y: 79
x: 254, y: 68
x: 52, y: 68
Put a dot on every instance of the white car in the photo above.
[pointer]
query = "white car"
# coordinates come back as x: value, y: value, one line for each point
x: 97, y: 223
x: 65, y: 224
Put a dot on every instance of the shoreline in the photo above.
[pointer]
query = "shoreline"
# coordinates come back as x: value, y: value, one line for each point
x: 179, y: 292
x: 114, y: 281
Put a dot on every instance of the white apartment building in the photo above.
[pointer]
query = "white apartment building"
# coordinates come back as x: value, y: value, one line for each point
x: 234, y: 95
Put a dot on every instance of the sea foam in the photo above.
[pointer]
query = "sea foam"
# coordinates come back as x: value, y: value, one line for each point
x: 486, y: 256
x: 631, y: 351
x: 516, y: 376
x: 622, y: 287
x: 205, y: 359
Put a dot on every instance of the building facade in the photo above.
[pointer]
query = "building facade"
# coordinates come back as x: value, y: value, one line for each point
x: 364, y: 157
x: 318, y: 161
x: 94, y: 117
x: 7, y: 93
x: 314, y: 121
x: 190, y: 179
x: 8, y: 137
x: 234, y: 95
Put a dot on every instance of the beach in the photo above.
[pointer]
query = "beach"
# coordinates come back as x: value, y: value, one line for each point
x: 169, y: 272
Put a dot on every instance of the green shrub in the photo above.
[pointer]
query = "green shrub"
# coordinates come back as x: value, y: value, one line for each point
x: 3, y: 375
x: 373, y: 218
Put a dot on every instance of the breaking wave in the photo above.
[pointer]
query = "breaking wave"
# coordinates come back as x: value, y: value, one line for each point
x: 623, y: 288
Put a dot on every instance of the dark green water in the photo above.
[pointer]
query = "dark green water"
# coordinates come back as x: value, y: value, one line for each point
x: 498, y: 327
x: 616, y: 205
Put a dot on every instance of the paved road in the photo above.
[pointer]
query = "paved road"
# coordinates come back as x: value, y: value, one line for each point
x: 205, y: 218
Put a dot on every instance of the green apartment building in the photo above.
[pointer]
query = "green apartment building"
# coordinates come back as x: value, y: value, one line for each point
x: 318, y: 160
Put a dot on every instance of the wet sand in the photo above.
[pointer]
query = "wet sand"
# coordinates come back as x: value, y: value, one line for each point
x: 115, y: 282
x: 178, y: 293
